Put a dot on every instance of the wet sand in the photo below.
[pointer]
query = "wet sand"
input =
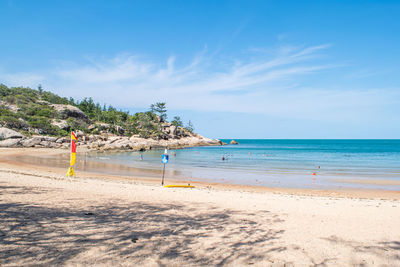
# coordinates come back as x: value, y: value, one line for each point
x: 103, y: 220
x: 369, y: 181
x: 57, y: 160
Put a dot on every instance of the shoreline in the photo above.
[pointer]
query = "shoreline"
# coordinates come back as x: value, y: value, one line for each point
x: 49, y: 219
x: 9, y: 159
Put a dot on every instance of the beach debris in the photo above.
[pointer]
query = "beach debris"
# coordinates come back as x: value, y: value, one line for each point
x: 89, y: 213
x: 134, y: 239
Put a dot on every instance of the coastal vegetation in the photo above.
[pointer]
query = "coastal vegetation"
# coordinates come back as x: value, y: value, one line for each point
x: 38, y: 111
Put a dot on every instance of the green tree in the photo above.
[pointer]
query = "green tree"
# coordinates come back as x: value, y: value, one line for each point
x: 190, y: 127
x: 177, y: 121
x: 40, y: 89
x: 160, y: 109
x: 152, y: 108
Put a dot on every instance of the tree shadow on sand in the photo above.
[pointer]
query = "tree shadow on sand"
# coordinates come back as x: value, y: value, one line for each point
x: 134, y: 233
x: 388, y: 250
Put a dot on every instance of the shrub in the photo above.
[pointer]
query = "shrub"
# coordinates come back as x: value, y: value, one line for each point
x: 76, y: 124
x: 12, y: 121
x: 53, y: 98
x: 45, y: 125
x: 4, y: 90
x: 33, y: 109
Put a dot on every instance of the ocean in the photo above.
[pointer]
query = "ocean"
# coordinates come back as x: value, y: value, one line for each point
x: 278, y: 163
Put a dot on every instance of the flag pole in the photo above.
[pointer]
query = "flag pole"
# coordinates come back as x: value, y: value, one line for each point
x: 164, y: 160
x: 163, y: 172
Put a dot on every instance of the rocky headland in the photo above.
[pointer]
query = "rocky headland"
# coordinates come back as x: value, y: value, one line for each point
x: 103, y: 142
x: 37, y: 118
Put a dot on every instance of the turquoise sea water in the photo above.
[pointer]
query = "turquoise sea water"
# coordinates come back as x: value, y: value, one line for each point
x: 279, y: 163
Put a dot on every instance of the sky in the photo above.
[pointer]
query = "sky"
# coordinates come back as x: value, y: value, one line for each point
x: 236, y: 69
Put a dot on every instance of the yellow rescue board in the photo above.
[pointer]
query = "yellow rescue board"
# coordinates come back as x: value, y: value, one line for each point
x: 184, y: 186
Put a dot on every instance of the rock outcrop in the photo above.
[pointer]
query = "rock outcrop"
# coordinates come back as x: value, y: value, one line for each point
x: 67, y: 111
x: 233, y: 142
x: 62, y: 124
x: 104, y: 142
x: 9, y: 106
x: 97, y: 142
x: 6, y: 133
x: 10, y: 143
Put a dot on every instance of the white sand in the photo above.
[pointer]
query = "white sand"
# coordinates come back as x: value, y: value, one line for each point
x: 50, y: 220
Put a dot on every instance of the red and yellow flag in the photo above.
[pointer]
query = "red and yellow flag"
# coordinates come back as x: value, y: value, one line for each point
x: 70, y: 171
x: 73, y: 149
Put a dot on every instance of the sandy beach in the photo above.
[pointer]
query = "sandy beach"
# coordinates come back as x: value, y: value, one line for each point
x: 102, y: 220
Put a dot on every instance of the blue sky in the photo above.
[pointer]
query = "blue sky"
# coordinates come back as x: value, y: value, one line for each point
x: 237, y: 69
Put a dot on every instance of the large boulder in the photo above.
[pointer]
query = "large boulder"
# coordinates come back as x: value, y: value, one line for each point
x: 67, y: 111
x: 51, y: 139
x: 103, y: 126
x: 62, y: 140
x: 62, y: 124
x: 6, y: 133
x: 12, y: 142
x: 31, y: 142
x: 45, y: 143
x: 119, y: 129
x: 173, y: 129
x: 91, y: 127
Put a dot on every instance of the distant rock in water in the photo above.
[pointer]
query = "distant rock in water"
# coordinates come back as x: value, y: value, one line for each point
x: 233, y: 142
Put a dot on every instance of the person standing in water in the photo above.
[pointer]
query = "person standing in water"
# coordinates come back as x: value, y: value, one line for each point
x: 141, y: 156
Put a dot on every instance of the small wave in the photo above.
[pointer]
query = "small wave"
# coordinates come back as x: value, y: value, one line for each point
x: 103, y: 158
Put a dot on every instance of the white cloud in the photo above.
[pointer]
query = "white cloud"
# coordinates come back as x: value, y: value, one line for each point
x: 21, y: 79
x: 258, y: 83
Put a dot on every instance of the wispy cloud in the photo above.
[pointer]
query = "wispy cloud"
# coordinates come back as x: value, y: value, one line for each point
x: 263, y: 82
x: 21, y: 79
